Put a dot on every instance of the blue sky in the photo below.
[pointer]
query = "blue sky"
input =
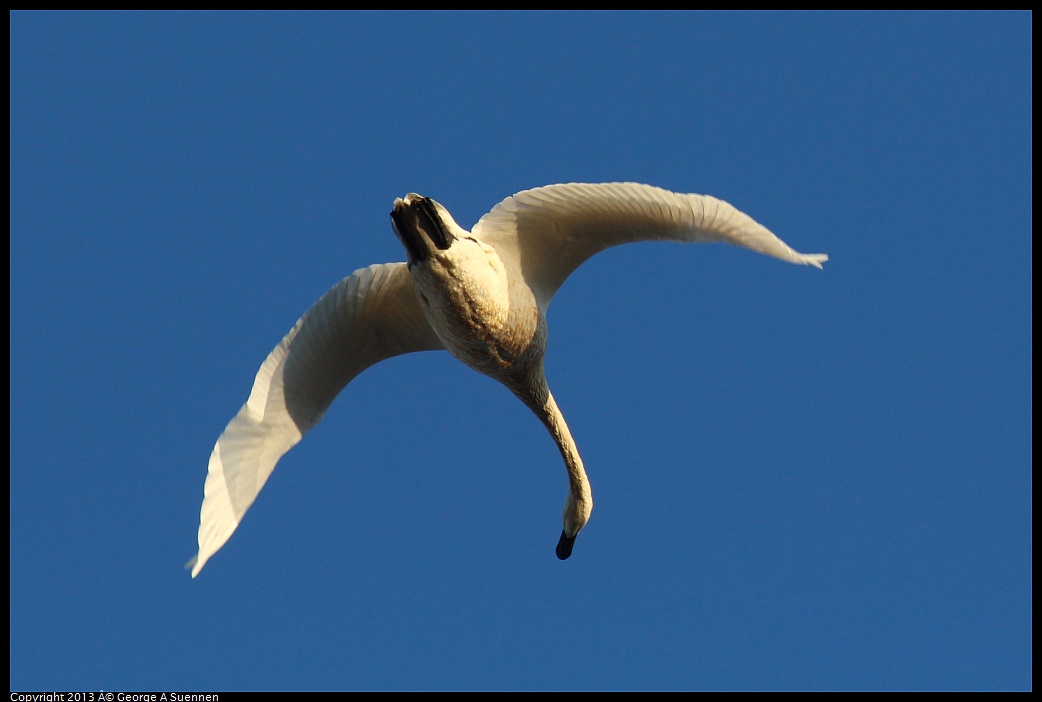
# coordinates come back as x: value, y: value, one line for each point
x: 803, y: 479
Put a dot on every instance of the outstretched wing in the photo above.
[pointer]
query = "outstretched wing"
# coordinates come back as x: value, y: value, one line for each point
x: 370, y: 315
x: 550, y: 231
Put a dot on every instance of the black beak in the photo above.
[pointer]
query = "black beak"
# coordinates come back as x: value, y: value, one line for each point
x: 564, y: 546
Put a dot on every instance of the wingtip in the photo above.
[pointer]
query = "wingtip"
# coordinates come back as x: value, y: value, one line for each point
x: 815, y: 260
x: 194, y: 565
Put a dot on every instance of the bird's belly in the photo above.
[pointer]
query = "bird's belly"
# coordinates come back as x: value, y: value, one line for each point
x: 491, y: 340
x: 483, y: 319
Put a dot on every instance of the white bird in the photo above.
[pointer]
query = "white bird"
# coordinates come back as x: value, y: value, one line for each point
x: 481, y: 295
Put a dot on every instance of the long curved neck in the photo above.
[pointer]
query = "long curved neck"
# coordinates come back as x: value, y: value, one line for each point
x: 578, y: 483
x: 580, y: 499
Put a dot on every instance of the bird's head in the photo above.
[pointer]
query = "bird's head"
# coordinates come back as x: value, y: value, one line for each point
x: 577, y: 510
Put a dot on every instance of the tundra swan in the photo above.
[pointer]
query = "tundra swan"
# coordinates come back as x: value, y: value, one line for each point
x: 481, y: 295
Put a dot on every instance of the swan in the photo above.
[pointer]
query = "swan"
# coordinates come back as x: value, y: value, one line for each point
x: 481, y: 295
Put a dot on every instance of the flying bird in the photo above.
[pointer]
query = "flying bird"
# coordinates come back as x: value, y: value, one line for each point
x: 481, y: 295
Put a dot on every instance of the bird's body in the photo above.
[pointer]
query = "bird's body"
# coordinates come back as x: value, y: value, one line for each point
x: 481, y: 295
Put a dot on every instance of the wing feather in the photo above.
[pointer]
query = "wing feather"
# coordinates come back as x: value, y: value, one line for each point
x: 549, y: 231
x: 367, y: 317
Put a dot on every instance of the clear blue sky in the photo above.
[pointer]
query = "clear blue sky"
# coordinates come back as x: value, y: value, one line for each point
x: 803, y: 479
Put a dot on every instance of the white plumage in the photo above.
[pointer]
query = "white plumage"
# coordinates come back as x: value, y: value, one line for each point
x: 481, y: 295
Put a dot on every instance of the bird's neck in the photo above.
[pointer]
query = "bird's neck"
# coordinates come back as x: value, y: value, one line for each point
x: 580, y: 498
